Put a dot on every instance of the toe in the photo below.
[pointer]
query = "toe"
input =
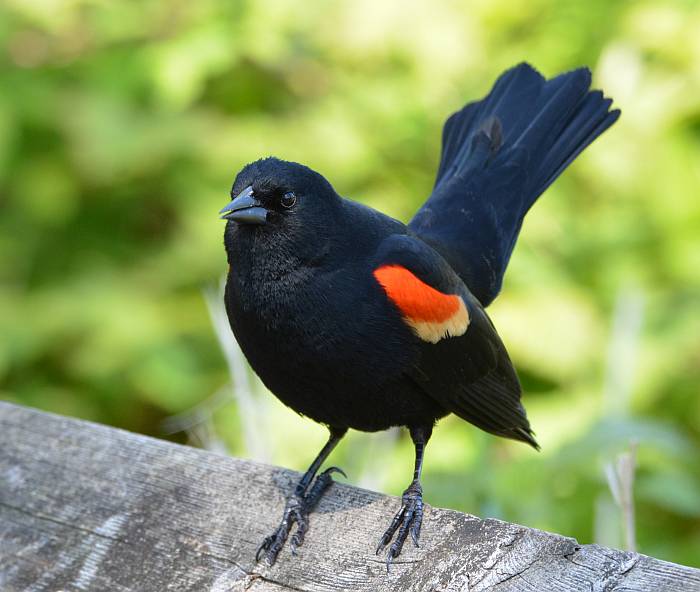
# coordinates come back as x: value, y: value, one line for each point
x: 263, y: 547
x: 408, y: 520
x: 417, y: 523
x: 318, y: 488
x: 389, y: 533
x: 298, y: 537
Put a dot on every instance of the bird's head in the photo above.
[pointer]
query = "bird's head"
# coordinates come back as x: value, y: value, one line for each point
x: 280, y: 205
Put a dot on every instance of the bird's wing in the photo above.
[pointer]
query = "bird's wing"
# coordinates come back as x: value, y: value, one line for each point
x: 463, y: 364
x: 498, y: 156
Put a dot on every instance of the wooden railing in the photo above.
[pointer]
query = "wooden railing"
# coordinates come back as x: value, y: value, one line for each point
x: 88, y: 507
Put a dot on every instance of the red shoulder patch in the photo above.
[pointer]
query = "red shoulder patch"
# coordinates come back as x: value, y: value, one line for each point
x: 416, y: 299
x: 431, y: 314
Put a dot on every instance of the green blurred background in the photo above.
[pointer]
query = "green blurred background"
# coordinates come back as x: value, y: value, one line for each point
x: 122, y: 125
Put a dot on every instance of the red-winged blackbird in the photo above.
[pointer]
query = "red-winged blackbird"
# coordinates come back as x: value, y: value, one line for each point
x: 357, y: 320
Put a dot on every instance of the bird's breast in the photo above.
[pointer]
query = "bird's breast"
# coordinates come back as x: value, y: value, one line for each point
x: 320, y: 340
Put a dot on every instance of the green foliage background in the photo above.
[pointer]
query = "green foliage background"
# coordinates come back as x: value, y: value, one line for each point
x: 122, y: 125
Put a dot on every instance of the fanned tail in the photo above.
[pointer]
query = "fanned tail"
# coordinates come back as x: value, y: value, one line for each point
x: 498, y: 156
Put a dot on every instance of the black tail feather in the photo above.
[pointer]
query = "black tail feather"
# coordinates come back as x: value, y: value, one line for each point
x: 498, y: 156
x: 552, y: 120
x: 591, y: 120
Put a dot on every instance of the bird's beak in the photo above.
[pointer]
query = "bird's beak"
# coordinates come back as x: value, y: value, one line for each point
x: 245, y: 209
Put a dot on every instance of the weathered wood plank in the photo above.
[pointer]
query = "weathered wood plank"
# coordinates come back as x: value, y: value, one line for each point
x: 85, y: 507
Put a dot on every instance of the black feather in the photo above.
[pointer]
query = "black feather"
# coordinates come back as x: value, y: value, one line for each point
x: 498, y: 156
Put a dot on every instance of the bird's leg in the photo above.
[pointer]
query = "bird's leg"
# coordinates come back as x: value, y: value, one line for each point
x: 301, y: 502
x: 410, y: 516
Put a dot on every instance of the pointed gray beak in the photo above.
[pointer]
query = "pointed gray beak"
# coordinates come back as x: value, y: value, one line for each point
x: 245, y: 209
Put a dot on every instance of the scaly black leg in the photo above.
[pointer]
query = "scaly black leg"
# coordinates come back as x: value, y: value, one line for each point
x: 410, y: 517
x: 301, y: 502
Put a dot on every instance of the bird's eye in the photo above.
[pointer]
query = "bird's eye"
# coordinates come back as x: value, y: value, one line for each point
x: 288, y: 199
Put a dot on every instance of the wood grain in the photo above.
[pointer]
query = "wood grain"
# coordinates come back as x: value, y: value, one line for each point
x: 85, y: 507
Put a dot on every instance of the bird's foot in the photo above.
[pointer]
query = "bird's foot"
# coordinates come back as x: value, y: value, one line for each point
x: 407, y: 520
x: 296, y: 511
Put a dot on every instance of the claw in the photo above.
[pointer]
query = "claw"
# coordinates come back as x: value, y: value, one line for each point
x: 264, y: 547
x: 272, y: 545
x: 407, y: 520
x: 296, y: 512
x: 414, y: 537
x: 389, y: 558
x: 382, y: 543
x: 331, y: 470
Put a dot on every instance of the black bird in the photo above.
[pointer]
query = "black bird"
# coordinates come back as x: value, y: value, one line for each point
x: 359, y: 321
